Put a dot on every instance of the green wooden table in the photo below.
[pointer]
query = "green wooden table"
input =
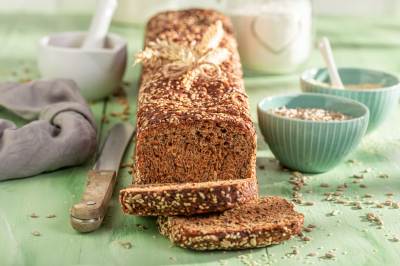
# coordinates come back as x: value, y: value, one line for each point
x: 129, y: 240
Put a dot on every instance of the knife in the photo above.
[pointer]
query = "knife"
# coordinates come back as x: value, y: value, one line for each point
x: 87, y: 215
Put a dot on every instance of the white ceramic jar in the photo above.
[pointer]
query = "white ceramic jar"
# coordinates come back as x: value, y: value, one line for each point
x: 274, y: 36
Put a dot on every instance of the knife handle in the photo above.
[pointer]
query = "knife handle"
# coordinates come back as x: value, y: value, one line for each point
x: 94, y: 203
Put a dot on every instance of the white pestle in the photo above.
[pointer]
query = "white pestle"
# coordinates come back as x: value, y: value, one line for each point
x: 327, y: 55
x: 100, y: 23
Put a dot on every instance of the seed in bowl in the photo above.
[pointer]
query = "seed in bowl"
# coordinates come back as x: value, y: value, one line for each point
x: 356, y: 86
x: 313, y: 114
x: 363, y: 86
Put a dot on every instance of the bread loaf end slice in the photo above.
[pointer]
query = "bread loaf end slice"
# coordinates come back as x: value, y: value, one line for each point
x: 187, y: 198
x: 262, y: 222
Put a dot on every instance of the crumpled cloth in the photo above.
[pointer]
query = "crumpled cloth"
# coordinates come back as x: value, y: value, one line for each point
x: 62, y: 132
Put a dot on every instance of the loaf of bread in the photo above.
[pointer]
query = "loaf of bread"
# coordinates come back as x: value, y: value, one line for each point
x: 259, y: 223
x: 201, y: 132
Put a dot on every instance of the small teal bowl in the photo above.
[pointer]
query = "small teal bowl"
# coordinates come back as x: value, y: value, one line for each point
x: 380, y: 101
x: 312, y: 146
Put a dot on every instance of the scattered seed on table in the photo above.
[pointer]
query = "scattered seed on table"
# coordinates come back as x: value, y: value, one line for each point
x: 309, y: 203
x: 388, y: 202
x: 307, y: 229
x: 312, y: 226
x: 358, y: 176
x: 368, y: 170
x: 329, y: 198
x: 312, y: 254
x: 261, y: 166
x: 297, y: 201
x: 51, y: 216
x: 295, y: 251
x: 325, y: 185
x: 34, y: 215
x: 389, y: 194
x: 296, y: 194
x: 363, y: 186
x: 125, y: 244
x: 341, y: 201
x: 383, y: 175
x: 36, y: 233
x: 333, y: 213
x: 306, y: 238
x: 367, y: 195
x: 394, y: 239
x: 373, y: 218
x: 329, y: 255
x: 142, y: 226
x: 125, y: 165
x: 297, y: 174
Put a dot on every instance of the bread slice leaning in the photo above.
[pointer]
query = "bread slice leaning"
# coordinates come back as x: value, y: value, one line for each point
x: 187, y: 198
x: 262, y: 222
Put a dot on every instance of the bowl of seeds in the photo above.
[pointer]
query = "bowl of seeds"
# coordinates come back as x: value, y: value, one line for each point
x: 311, y: 132
x: 378, y: 90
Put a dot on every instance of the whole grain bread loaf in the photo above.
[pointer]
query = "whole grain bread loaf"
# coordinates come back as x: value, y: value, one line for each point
x: 198, y: 134
x: 266, y: 221
x: 187, y: 198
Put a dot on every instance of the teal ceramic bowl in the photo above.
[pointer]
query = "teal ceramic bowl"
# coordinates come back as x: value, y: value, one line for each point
x: 380, y: 101
x: 312, y: 146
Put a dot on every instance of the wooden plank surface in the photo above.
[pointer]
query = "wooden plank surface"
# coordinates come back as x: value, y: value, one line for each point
x: 133, y: 240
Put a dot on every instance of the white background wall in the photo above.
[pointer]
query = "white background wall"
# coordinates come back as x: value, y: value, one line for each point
x: 349, y: 7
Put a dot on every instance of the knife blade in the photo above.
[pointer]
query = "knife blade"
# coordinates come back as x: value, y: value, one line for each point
x: 88, y: 214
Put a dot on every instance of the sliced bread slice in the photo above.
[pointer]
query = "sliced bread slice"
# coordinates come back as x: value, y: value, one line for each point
x: 187, y: 198
x: 262, y: 222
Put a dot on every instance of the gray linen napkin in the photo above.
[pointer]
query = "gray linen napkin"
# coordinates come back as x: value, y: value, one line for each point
x: 62, y: 132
